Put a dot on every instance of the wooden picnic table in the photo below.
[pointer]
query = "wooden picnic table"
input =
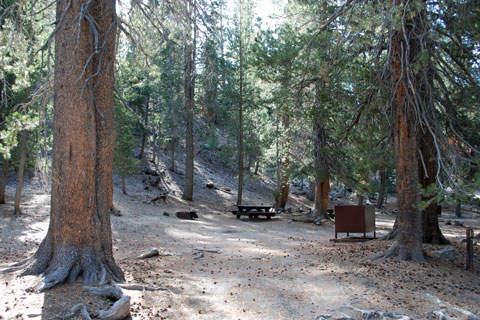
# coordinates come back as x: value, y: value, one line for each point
x: 253, y: 211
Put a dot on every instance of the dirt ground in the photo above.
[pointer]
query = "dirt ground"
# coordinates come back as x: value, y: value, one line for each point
x: 219, y: 267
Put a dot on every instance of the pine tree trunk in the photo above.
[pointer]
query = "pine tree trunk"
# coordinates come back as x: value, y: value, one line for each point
x: 189, y: 84
x: 360, y: 200
x: 145, y: 131
x: 21, y: 169
x: 311, y: 190
x: 172, y: 158
x: 321, y: 198
x: 79, y: 237
x: 124, y: 187
x: 110, y: 197
x: 285, y: 172
x: 458, y: 209
x: 257, y: 163
x: 241, y: 154
x: 427, y: 177
x: 381, y: 191
x: 154, y: 155
x: 320, y: 161
x: 3, y: 184
x: 408, y: 244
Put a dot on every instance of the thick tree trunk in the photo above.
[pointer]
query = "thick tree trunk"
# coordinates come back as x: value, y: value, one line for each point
x: 408, y: 244
x: 110, y: 197
x: 381, y: 188
x: 427, y: 177
x: 3, y: 184
x: 321, y: 198
x: 79, y: 237
x: 21, y: 170
x: 321, y: 161
x: 189, y: 84
x: 145, y: 131
x: 311, y: 190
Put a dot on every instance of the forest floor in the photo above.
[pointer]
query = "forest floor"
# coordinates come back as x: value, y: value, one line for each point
x: 219, y: 267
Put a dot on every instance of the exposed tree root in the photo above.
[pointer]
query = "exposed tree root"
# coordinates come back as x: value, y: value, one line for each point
x: 120, y: 310
x: 69, y: 263
x: 401, y: 253
x: 75, y: 309
x: 109, y: 292
x: 140, y: 287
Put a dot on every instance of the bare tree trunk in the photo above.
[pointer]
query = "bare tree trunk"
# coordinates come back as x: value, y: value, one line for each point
x: 285, y: 172
x: 124, y: 188
x: 458, y: 209
x: 321, y: 198
x: 21, y: 169
x: 3, y: 184
x: 381, y: 191
x: 241, y: 153
x: 320, y: 160
x: 408, y: 244
x: 172, y: 158
x: 110, y: 196
x: 427, y: 177
x: 145, y: 131
x: 155, y: 146
x: 257, y: 163
x: 189, y: 83
x: 311, y: 190
x: 360, y: 200
x: 79, y: 238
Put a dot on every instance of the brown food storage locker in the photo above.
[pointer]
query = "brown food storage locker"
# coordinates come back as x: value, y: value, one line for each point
x: 355, y: 219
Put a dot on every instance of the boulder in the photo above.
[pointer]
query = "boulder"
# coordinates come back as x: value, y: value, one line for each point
x: 446, y: 253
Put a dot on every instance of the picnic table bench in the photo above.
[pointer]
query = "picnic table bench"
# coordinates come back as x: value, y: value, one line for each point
x: 253, y: 211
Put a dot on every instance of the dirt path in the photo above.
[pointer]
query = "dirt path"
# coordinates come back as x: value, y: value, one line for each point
x: 219, y: 267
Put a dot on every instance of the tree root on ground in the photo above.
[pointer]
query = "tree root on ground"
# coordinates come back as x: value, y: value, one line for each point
x: 68, y: 263
x: 396, y: 251
x: 140, y: 287
x: 120, y: 309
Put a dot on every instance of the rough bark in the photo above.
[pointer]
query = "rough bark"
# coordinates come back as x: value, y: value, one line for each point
x: 3, y: 184
x: 189, y: 85
x: 79, y: 238
x: 427, y: 170
x: 311, y: 191
x: 145, y: 130
x: 321, y: 162
x: 154, y: 153
x: 21, y: 170
x: 110, y: 196
x: 381, y: 188
x: 408, y: 244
